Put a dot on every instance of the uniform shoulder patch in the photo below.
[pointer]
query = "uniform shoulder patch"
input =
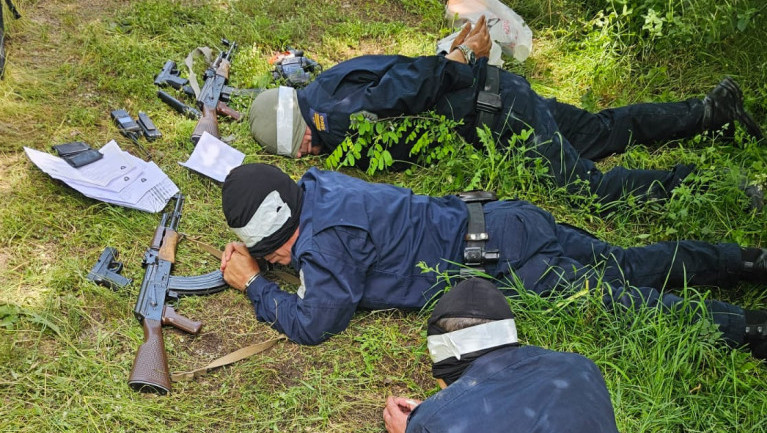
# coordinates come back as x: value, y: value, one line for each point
x: 320, y: 120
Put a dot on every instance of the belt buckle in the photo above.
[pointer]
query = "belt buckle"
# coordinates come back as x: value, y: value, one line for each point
x: 477, y: 196
x: 472, y: 256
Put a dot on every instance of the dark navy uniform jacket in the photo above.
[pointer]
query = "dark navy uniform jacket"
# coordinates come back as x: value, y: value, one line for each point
x: 569, y: 138
x: 520, y: 389
x: 360, y: 243
x: 387, y: 86
x: 358, y: 246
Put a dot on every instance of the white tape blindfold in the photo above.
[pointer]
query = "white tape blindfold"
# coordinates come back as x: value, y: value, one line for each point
x: 471, y: 339
x: 270, y: 216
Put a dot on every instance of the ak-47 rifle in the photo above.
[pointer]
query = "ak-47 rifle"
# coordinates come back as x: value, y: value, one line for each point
x: 210, y: 99
x: 213, y: 97
x: 150, y: 368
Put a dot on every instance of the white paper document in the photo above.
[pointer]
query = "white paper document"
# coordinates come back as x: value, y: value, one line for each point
x: 118, y: 178
x: 213, y: 158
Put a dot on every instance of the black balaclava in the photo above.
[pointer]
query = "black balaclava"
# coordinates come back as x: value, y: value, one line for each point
x: 472, y: 298
x: 245, y: 190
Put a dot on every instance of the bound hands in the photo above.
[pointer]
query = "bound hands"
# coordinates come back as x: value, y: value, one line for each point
x: 476, y: 38
x: 396, y: 412
x: 237, y: 265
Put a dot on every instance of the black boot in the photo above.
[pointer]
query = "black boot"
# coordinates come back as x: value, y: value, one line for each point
x: 754, y: 265
x: 724, y: 105
x: 756, y: 333
x: 755, y: 197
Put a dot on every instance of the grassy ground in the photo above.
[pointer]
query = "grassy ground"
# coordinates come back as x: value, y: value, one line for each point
x: 67, y: 345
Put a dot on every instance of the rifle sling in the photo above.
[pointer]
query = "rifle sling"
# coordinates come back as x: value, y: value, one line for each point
x: 285, y: 276
x: 189, y: 62
x: 208, y: 248
x: 237, y: 355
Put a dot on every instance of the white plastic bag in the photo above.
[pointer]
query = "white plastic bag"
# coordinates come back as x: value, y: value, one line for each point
x: 506, y: 27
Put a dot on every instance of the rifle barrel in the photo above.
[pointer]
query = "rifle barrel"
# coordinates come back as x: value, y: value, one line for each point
x: 176, y: 212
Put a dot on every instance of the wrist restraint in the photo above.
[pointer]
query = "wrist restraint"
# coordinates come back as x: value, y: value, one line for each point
x: 252, y: 279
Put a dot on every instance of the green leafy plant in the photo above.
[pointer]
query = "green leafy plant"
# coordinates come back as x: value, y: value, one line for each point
x: 67, y: 344
x: 432, y: 138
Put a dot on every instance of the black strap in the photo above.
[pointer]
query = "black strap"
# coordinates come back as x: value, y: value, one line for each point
x: 474, y: 253
x: 489, y: 101
x: 475, y: 233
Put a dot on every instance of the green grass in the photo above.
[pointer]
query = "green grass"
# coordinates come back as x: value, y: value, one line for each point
x: 67, y: 345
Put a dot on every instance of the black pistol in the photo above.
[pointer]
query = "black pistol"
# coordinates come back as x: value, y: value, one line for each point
x: 107, y: 270
x: 169, y: 76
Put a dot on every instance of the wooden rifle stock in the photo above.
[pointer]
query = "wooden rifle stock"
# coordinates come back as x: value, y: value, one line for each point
x: 150, y: 368
x: 208, y: 122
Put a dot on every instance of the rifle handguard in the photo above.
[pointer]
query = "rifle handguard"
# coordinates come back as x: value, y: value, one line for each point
x: 223, y: 68
x: 168, y: 247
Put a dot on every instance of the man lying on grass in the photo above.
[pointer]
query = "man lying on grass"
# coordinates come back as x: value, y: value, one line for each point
x: 492, y: 384
x: 358, y: 245
x: 461, y: 86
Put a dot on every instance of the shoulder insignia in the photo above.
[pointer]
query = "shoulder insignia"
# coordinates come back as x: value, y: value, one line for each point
x: 320, y: 120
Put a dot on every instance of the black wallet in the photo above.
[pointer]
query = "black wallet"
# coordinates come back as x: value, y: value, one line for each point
x: 77, y: 153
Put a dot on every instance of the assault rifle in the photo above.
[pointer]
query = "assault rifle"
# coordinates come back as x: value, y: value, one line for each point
x: 150, y: 368
x: 210, y: 98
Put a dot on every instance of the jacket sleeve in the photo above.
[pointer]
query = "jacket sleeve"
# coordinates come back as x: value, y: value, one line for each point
x: 414, y: 85
x: 332, y: 284
x: 387, y: 86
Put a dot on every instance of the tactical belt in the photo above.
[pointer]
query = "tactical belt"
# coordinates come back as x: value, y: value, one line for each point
x: 475, y: 255
x: 489, y: 101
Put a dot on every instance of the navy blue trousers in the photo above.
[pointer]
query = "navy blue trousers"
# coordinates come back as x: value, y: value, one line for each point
x: 571, y: 139
x: 548, y: 257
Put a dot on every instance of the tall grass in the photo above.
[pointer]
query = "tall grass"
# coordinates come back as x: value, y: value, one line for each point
x: 67, y: 345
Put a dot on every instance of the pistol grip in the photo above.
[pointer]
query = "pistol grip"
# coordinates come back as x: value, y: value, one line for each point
x: 223, y: 109
x: 115, y: 281
x: 170, y: 317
